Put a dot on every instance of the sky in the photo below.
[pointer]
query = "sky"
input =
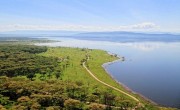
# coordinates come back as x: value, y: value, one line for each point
x: 90, y: 15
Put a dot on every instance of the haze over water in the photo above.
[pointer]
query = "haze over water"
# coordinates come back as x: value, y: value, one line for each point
x: 150, y: 68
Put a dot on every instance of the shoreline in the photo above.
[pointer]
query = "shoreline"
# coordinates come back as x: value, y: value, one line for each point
x: 104, y: 65
x: 120, y: 58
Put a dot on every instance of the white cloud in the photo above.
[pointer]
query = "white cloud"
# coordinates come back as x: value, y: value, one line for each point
x: 141, y: 26
x: 147, y: 25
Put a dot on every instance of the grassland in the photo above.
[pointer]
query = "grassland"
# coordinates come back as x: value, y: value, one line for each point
x: 76, y: 72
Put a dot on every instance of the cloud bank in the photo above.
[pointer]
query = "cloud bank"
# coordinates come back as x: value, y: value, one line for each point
x: 135, y: 27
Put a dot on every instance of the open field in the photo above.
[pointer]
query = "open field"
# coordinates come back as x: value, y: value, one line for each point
x: 75, y: 71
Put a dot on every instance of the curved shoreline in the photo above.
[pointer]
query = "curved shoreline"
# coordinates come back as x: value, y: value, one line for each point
x: 123, y: 85
x: 104, y: 83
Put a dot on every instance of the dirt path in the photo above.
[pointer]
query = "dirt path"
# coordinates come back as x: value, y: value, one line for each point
x: 134, y: 98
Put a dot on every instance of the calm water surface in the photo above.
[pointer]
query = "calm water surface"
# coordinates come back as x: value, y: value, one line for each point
x: 151, y: 68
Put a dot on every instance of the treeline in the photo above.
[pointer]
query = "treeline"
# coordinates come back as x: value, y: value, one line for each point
x: 22, y: 60
x: 23, y: 94
x: 23, y: 48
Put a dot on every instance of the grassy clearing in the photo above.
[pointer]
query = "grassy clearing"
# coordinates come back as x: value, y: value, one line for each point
x: 76, y: 72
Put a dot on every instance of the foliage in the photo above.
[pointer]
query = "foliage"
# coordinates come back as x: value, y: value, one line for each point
x: 22, y: 60
x: 72, y: 104
x: 26, y: 94
x: 95, y: 106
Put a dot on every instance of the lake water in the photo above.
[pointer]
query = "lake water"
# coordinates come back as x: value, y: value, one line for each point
x: 150, y: 68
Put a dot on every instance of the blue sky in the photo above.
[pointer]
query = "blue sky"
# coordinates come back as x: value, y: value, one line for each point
x: 90, y: 15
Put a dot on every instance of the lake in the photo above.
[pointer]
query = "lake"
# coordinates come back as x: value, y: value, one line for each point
x: 150, y: 68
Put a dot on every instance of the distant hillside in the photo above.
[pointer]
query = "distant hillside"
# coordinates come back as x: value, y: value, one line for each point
x: 117, y: 36
x: 40, y: 33
x: 127, y: 37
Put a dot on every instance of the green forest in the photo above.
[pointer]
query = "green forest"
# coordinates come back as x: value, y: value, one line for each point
x: 44, y: 78
x: 21, y: 60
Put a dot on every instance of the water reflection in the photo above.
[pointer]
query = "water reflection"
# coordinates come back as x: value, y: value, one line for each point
x: 70, y: 42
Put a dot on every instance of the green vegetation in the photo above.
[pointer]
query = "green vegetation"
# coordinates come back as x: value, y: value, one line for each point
x: 21, y: 60
x: 22, y: 40
x: 44, y: 78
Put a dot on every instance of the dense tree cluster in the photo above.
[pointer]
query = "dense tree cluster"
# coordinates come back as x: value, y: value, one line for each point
x: 22, y: 60
x: 22, y: 48
x: 21, y: 93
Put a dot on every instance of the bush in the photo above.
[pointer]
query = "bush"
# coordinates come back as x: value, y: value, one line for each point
x: 72, y: 104
x: 95, y: 106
